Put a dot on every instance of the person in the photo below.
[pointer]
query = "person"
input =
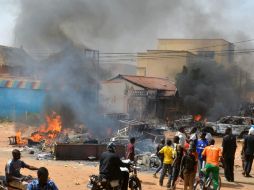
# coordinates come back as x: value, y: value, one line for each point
x: 229, y: 148
x: 201, y: 144
x: 160, y: 156
x: 188, y: 168
x: 12, y: 171
x: 110, y: 164
x: 251, y: 125
x: 194, y: 135
x: 43, y: 182
x: 212, y: 156
x: 182, y: 136
x: 178, y: 154
x: 168, y: 154
x: 248, y: 151
x: 208, y: 137
x: 130, y: 154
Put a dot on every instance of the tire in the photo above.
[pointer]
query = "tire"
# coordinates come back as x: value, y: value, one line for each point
x: 210, y: 186
x: 135, y: 184
x: 198, y: 186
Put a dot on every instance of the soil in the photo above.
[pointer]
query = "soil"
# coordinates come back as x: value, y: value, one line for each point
x: 73, y: 175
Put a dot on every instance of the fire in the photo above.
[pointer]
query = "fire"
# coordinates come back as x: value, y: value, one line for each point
x: 19, y: 139
x: 50, y: 130
x: 197, y: 117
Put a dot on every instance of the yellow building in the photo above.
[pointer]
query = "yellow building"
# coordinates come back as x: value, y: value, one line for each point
x: 162, y: 63
x: 218, y: 49
x: 172, y: 54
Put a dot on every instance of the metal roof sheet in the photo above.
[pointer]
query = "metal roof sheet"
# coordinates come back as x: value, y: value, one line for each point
x: 152, y: 83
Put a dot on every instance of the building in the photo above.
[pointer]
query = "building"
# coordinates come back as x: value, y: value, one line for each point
x: 20, y: 96
x: 162, y: 63
x: 15, y: 61
x: 220, y: 50
x: 139, y: 97
x: 172, y: 54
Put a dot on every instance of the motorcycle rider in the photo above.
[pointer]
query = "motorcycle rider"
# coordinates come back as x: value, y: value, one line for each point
x: 110, y: 164
x: 12, y: 171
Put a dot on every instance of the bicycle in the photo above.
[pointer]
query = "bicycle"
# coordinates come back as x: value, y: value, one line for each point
x: 205, y: 183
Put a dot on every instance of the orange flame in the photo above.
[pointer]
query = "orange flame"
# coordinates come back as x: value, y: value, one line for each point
x: 50, y: 130
x: 19, y: 139
x: 197, y: 117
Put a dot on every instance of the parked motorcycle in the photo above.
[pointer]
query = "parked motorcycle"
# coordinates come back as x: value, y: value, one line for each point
x: 95, y: 183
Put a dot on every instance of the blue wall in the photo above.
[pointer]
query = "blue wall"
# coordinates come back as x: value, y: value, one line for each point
x: 16, y: 101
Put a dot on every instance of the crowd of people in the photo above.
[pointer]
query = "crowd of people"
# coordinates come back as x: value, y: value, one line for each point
x: 185, y: 157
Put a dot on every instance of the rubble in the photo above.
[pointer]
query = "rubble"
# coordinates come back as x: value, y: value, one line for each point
x: 45, y: 156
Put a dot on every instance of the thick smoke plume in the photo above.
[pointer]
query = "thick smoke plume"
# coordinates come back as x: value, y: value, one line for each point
x: 117, y: 25
x: 209, y: 89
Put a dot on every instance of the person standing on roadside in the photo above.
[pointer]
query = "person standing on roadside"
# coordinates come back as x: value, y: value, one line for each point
x: 201, y: 144
x: 178, y: 154
x: 212, y: 156
x: 228, y: 153
x: 160, y: 156
x: 168, y: 153
x: 188, y: 168
x: 182, y: 136
x: 248, y: 151
x: 130, y: 154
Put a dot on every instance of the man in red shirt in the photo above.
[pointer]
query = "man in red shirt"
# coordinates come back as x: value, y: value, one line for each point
x: 130, y: 154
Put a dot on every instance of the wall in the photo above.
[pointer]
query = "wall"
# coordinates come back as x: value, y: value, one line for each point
x: 16, y: 101
x: 114, y: 97
x: 163, y: 64
x: 111, y: 97
x: 194, y: 45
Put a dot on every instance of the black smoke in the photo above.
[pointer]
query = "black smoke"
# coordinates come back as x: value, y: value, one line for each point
x: 209, y: 89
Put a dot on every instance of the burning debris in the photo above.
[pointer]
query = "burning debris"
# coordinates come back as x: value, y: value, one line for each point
x: 49, y: 131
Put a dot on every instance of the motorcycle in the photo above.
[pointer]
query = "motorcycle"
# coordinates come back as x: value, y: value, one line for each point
x: 5, y: 186
x: 95, y: 183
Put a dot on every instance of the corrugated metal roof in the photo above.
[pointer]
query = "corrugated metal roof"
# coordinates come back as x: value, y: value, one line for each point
x: 152, y: 83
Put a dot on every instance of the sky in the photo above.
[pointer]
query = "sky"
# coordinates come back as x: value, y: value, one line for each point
x: 8, y: 14
x: 234, y: 23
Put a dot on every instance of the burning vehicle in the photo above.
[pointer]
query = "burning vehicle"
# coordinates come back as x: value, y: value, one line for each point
x: 239, y: 125
x: 189, y: 122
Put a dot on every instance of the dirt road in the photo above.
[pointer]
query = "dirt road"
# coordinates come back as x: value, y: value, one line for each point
x: 73, y: 175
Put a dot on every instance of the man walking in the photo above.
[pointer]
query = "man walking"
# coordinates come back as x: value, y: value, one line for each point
x: 248, y: 150
x: 130, y: 154
x: 201, y: 144
x: 168, y: 153
x: 228, y: 153
x: 212, y: 155
x: 178, y: 151
x: 160, y: 156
